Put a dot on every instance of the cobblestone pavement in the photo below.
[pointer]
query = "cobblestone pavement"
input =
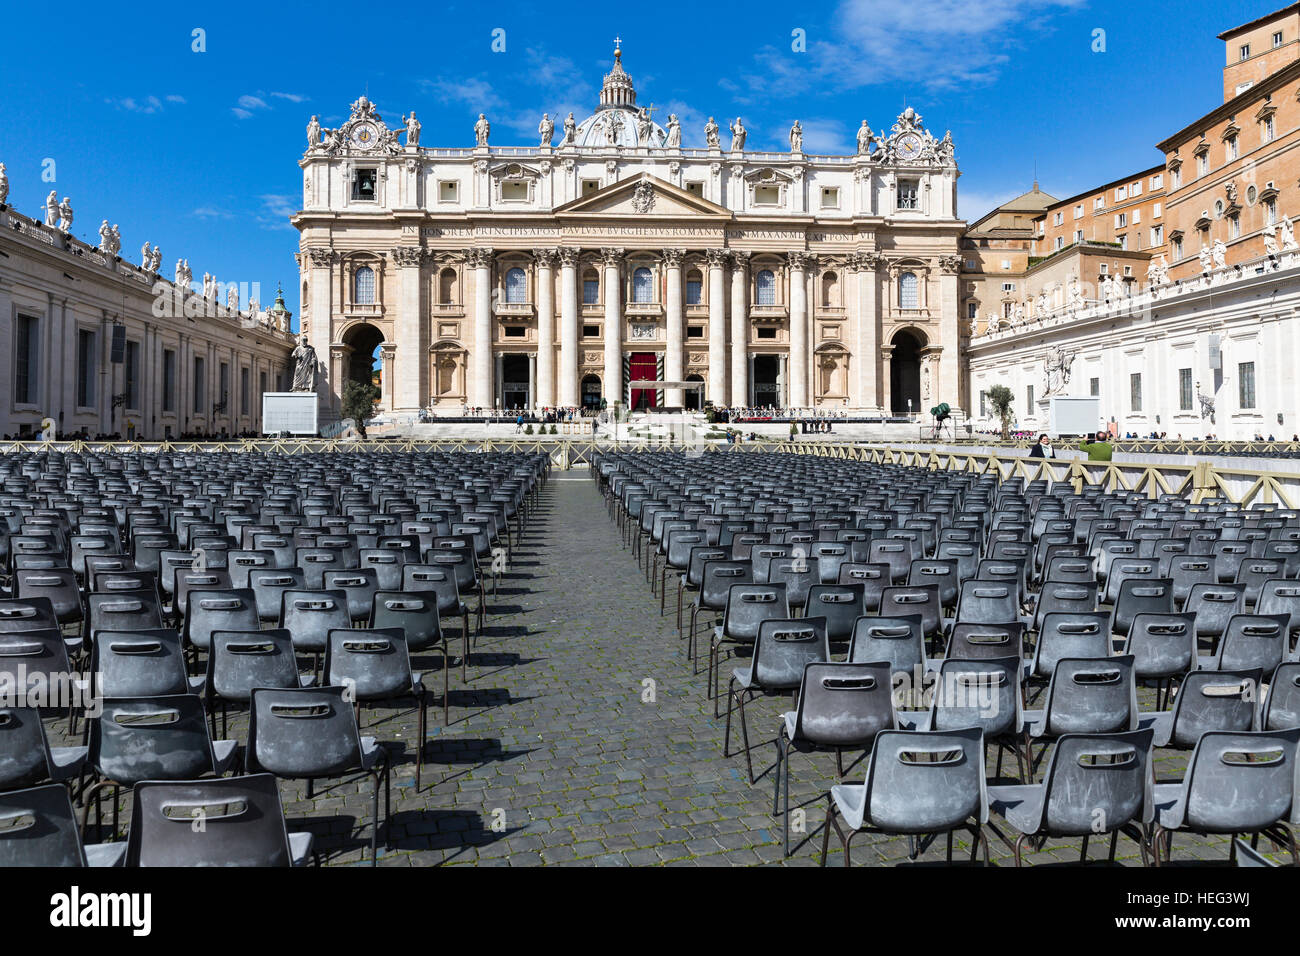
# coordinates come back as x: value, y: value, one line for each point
x: 556, y: 753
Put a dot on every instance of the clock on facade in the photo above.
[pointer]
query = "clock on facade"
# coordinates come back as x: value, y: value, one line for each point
x: 909, y: 146
x: 364, y: 135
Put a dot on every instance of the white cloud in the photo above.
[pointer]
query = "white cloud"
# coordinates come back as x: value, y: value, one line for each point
x: 253, y: 103
x: 276, y: 210
x: 938, y: 44
x: 211, y: 212
x: 146, y: 104
x: 291, y: 97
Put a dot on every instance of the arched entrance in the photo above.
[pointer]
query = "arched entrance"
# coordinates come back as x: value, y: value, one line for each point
x: 693, y: 396
x: 767, y: 381
x: 591, y: 392
x: 905, y: 372
x: 363, y: 362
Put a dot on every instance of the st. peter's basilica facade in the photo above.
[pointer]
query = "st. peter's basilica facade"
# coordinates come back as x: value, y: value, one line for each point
x: 557, y: 274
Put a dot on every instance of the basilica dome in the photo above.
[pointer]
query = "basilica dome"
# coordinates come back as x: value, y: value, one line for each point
x: 618, y: 121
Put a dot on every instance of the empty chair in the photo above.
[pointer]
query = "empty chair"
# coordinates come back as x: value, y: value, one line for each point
x: 26, y: 757
x: 873, y: 578
x: 987, y: 602
x: 243, y: 824
x: 441, y: 583
x: 38, y: 827
x: 717, y: 579
x: 188, y: 581
x: 897, y: 640
x: 1186, y: 571
x: 1093, y: 784
x: 1140, y: 595
x: 360, y: 585
x: 1281, y: 597
x: 1235, y: 783
x: 1214, y: 605
x: 311, y: 734
x: 840, y: 605
x: 309, y: 616
x: 782, y: 650
x: 123, y: 611
x: 59, y: 585
x: 1086, y: 697
x: 798, y: 575
x: 1163, y: 647
x: 974, y: 642
x: 417, y: 616
x: 746, y: 606
x: 1254, y: 572
x: 839, y: 707
x: 268, y: 586
x: 1251, y: 641
x: 1282, y: 706
x: 1066, y: 634
x: 238, y: 661
x: 220, y: 609
x: 916, y: 783
x: 1066, y: 596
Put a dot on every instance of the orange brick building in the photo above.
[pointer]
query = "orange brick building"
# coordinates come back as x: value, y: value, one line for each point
x: 1129, y: 213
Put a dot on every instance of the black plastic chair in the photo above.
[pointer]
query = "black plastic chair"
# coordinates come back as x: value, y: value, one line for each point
x: 38, y: 827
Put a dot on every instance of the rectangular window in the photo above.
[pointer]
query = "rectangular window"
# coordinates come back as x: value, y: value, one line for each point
x: 1157, y: 210
x: 243, y: 392
x: 27, y: 351
x: 1246, y: 384
x: 830, y: 198
x: 1157, y: 181
x: 1234, y: 226
x: 448, y: 191
x: 261, y: 384
x: 591, y: 292
x: 1099, y: 203
x: 1078, y: 211
x: 169, y: 380
x: 1202, y: 164
x: 131, y: 374
x: 1059, y: 218
x: 695, y: 188
x: 694, y: 291
x: 514, y: 192
x: 223, y: 380
x: 1178, y: 249
x: 767, y: 195
x: 515, y: 332
x: 1244, y: 52
x: 1270, y: 207
x: 1123, y: 241
x: 1121, y: 192
x: 1060, y: 242
x: 1094, y: 387
x: 86, y: 368
x: 972, y: 310
x: 590, y: 186
x: 199, y: 386
x: 1267, y: 133
x: 1078, y: 235
x: 1277, y: 39
x: 1157, y: 235
x: 363, y: 186
x: 766, y: 332
x: 1121, y: 220
x: 1137, y: 216
x: 591, y: 331
x: 1136, y: 189
x: 907, y: 194
x: 695, y: 332
x: 1185, y: 389
x: 1029, y: 398
x: 1135, y: 392
x: 1176, y: 177
x: 1230, y: 148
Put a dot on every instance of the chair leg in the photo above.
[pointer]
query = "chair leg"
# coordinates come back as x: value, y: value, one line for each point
x: 446, y: 683
x: 1019, y: 848
x: 785, y: 772
x: 726, y: 733
x: 419, y: 747
x: 830, y: 822
x: 744, y: 734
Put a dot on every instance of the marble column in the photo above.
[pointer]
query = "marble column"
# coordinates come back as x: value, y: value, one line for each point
x: 947, y: 389
x: 739, y: 328
x: 319, y: 327
x: 868, y: 347
x: 717, y: 388
x: 480, y: 392
x: 674, y: 366
x: 613, y: 378
x: 387, y: 360
x: 411, y: 362
x: 544, y: 387
x: 569, y: 327
x: 799, y: 262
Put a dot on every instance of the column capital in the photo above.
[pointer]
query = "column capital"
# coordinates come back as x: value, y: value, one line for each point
x: 741, y: 258
x: 323, y: 257
x: 408, y: 255
x: 569, y: 256
x: 864, y: 261
x: 801, y: 261
x: 673, y: 257
x: 716, y: 258
x: 545, y: 257
x: 479, y: 258
x: 611, y: 256
x: 949, y: 265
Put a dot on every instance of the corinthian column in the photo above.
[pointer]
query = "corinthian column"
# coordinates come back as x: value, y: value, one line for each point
x: 867, y: 355
x: 740, y: 328
x: 544, y: 387
x: 480, y: 392
x: 673, y: 365
x: 410, y: 385
x: 717, y: 259
x: 613, y: 326
x: 799, y: 262
x: 569, y: 327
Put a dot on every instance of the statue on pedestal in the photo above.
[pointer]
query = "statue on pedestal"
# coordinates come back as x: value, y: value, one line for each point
x: 482, y: 130
x: 105, y: 238
x: 1220, y: 254
x: 52, y: 209
x: 644, y: 127
x: 570, y: 130
x: 313, y: 134
x: 674, y: 132
x: 155, y: 263
x: 547, y: 129
x: 796, y: 137
x: 738, y: 135
x: 412, y: 129
x: 711, y: 134
x: 304, y: 369
x: 865, y: 139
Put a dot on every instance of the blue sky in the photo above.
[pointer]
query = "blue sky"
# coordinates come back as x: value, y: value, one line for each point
x: 198, y: 150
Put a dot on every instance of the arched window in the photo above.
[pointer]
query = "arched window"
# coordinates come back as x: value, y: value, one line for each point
x: 590, y: 288
x: 830, y: 290
x: 642, y: 286
x: 447, y: 286
x: 694, y: 287
x: 516, y: 287
x: 363, y: 291
x: 766, y: 284
x: 908, y: 291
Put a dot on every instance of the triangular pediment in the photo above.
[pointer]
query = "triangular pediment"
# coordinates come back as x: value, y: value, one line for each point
x: 642, y: 197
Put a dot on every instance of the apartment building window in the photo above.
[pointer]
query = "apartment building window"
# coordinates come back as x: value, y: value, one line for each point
x: 1123, y: 241
x: 169, y: 380
x: 1157, y: 181
x: 1185, y: 389
x: 1277, y: 39
x: 86, y: 367
x: 1006, y: 310
x: 1135, y: 392
x: 131, y: 374
x: 1121, y: 220
x: 907, y: 194
x: 1270, y: 208
x: 1234, y: 226
x: 1202, y: 164
x: 1231, y: 148
x: 1008, y: 287
x: 1137, y: 216
x: 1267, y: 134
x: 1157, y: 235
x: 1176, y: 177
x: 1244, y: 52
x: 1099, y: 203
x: 1157, y: 211
x: 1060, y: 218
x: 1178, y: 248
x: 1006, y: 264
x: 27, y: 352
x: 1121, y: 192
x: 1094, y: 387
x: 1078, y: 235
x: 1246, y: 384
x: 1060, y: 242
x: 1136, y: 189
x: 1078, y: 211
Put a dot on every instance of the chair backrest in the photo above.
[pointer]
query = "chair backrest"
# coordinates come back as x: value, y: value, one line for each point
x: 1254, y: 641
x: 238, y: 661
x: 1282, y: 708
x: 359, y: 584
x: 375, y: 662
x: 302, y: 734
x: 151, y: 738
x: 1214, y: 700
x: 987, y: 602
x: 240, y: 563
x: 721, y: 576
x: 24, y: 749
x: 1097, y: 780
x: 1064, y: 596
x: 978, y: 693
x: 845, y: 705
x: 873, y: 578
x: 243, y: 823
x: 783, y: 650
x: 148, y: 663
x: 28, y: 614
x: 938, y: 572
x: 414, y: 613
x: 797, y: 575
x: 898, y: 640
x: 38, y: 827
x: 387, y: 565
x: 268, y: 586
x: 1241, y: 782
x: 1162, y: 645
x: 926, y: 782
x: 189, y: 581
x: 1214, y: 605
x: 123, y: 611
x: 220, y: 609
x: 747, y: 605
x: 1138, y: 595
x: 309, y: 616
x: 977, y: 642
x: 1091, y: 697
x: 1070, y: 634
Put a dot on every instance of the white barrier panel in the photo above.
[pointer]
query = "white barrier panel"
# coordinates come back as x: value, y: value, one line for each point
x: 292, y: 412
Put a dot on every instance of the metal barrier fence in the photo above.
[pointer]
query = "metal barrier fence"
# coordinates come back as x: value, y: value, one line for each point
x: 1239, y: 481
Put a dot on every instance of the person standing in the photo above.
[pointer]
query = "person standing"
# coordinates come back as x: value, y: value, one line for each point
x: 1100, y: 449
x: 1043, y: 448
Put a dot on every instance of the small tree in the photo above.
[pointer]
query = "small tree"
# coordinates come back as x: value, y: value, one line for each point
x: 359, y: 400
x: 1000, y: 398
